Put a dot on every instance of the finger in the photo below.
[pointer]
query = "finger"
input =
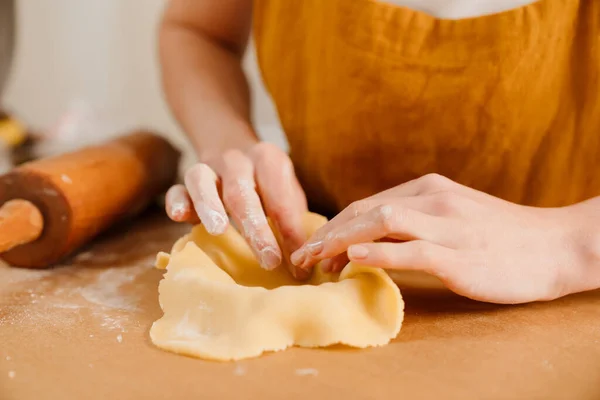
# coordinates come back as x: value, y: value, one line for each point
x: 201, y: 183
x: 394, y: 221
x: 415, y: 255
x: 179, y: 205
x: 282, y: 197
x: 297, y: 272
x: 315, y: 244
x: 244, y: 205
x: 335, y: 264
x: 412, y: 193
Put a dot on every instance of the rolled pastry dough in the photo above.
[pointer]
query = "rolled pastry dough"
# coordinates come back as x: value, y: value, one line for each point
x: 220, y: 304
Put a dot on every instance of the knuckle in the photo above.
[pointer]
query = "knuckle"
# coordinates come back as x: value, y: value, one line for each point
x: 199, y: 172
x: 387, y: 217
x: 358, y: 207
x: 265, y: 152
x: 447, y: 203
x: 433, y: 182
x: 353, y: 208
x: 272, y: 160
x: 423, y: 251
x: 235, y: 158
x: 333, y: 239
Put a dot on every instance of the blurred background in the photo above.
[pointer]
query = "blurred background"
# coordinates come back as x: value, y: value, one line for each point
x: 98, y: 60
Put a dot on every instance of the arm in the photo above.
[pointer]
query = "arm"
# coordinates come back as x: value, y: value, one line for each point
x: 480, y: 246
x: 201, y: 47
x: 584, y: 222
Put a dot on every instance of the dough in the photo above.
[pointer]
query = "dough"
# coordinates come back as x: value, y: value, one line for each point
x: 219, y: 304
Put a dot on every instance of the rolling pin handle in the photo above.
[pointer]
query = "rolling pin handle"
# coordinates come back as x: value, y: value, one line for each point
x: 20, y: 222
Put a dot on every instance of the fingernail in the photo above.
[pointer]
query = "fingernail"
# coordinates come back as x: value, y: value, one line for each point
x: 178, y: 210
x: 269, y: 259
x: 314, y: 248
x: 214, y: 222
x: 358, y: 251
x: 298, y: 257
x: 218, y: 222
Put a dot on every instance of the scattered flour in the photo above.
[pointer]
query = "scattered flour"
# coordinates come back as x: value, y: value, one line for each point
x: 111, y: 322
x: 239, y: 370
x: 67, y: 306
x: 8, y: 358
x: 18, y: 275
x: 105, y: 291
x: 307, y: 372
x: 98, y: 258
x: 65, y: 178
x: 120, y: 338
x: 73, y: 289
x: 12, y: 374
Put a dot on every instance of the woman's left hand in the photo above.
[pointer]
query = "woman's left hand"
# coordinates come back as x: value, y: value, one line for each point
x: 480, y: 246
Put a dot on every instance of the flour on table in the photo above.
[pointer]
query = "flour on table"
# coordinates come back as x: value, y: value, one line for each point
x: 12, y: 276
x: 66, y: 179
x: 12, y: 374
x: 105, y: 292
x: 239, y: 370
x: 111, y: 322
x: 307, y: 372
x: 99, y: 291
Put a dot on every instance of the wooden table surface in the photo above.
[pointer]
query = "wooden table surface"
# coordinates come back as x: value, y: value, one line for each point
x: 80, y: 331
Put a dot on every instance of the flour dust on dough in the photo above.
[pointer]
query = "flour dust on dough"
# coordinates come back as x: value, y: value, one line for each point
x: 219, y: 304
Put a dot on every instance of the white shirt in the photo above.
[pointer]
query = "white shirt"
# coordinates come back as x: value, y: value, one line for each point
x: 461, y: 9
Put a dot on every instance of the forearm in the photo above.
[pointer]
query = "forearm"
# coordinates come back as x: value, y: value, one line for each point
x: 206, y: 89
x: 585, y: 219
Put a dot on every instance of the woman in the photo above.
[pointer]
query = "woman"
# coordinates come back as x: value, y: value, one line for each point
x: 467, y: 148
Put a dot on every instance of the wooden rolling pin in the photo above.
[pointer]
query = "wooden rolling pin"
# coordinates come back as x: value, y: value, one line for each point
x: 53, y: 206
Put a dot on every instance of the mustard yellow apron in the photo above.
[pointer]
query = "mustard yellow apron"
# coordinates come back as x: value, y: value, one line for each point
x: 372, y: 95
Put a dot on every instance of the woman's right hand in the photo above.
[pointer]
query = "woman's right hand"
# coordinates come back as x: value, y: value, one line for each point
x: 239, y: 183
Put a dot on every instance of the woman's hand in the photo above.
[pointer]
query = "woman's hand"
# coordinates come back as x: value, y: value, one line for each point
x: 239, y: 184
x: 478, y: 245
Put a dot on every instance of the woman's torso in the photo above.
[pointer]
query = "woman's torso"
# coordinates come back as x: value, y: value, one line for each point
x: 372, y: 94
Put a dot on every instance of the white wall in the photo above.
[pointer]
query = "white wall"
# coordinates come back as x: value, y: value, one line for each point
x: 102, y: 52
